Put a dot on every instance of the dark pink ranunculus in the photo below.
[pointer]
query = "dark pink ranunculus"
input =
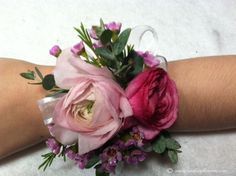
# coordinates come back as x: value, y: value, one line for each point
x: 154, y: 100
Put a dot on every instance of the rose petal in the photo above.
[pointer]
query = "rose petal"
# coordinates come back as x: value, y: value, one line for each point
x: 90, y: 142
x: 63, y: 135
x: 70, y: 68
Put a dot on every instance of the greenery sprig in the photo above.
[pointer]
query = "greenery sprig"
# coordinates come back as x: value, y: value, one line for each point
x: 115, y: 54
x: 49, y: 157
x: 164, y: 144
x: 47, y: 81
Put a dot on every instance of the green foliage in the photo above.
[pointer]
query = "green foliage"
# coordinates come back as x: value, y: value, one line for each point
x: 99, y: 172
x: 48, y: 82
x: 39, y: 73
x: 105, y: 53
x: 172, y: 144
x: 57, y: 92
x: 28, y: 75
x: 106, y: 57
x: 84, y: 36
x: 164, y: 144
x: 172, y: 154
x: 94, y: 160
x: 48, y: 159
x: 159, y: 145
x: 121, y: 42
x: 137, y: 63
x: 32, y: 76
x: 106, y: 37
x: 116, y: 55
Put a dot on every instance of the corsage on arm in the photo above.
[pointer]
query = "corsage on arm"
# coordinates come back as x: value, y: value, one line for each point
x: 107, y: 102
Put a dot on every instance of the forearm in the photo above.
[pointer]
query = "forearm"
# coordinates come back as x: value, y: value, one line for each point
x: 207, y: 93
x: 21, y: 124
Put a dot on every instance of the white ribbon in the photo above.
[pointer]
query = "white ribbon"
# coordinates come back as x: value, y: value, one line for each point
x: 142, y: 41
x: 47, y: 106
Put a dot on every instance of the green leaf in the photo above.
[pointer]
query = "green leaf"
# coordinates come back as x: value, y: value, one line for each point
x: 105, y: 53
x: 98, y: 31
x: 38, y: 83
x: 165, y: 133
x: 39, y: 73
x: 178, y: 151
x: 48, y: 159
x: 102, y: 25
x: 29, y: 75
x: 137, y: 65
x: 84, y: 35
x: 172, y: 144
x: 100, y: 173
x: 106, y: 37
x: 57, y: 93
x: 173, y: 156
x: 94, y: 160
x: 159, y: 145
x: 121, y: 42
x: 48, y: 82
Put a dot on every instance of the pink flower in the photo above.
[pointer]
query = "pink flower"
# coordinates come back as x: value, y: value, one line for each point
x: 93, y: 34
x: 93, y: 109
x: 55, y: 51
x: 154, y: 100
x: 149, y: 59
x: 113, y: 26
x: 97, y: 44
x: 78, y: 49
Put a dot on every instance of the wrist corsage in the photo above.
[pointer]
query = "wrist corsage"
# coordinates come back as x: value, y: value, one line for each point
x: 108, y: 101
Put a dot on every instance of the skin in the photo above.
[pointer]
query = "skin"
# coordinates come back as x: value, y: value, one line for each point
x: 206, y: 88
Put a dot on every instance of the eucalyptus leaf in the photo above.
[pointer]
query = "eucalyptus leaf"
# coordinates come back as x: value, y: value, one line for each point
x: 39, y: 73
x: 106, y: 37
x: 121, y: 42
x: 173, y: 156
x: 98, y: 30
x: 159, y: 145
x: 94, y: 160
x: 105, y: 53
x: 48, y: 82
x: 28, y: 75
x: 38, y: 83
x: 172, y: 144
x: 137, y: 64
x: 102, y: 25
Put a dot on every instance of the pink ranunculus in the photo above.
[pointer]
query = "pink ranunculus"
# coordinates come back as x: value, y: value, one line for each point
x: 154, y: 100
x: 94, y: 108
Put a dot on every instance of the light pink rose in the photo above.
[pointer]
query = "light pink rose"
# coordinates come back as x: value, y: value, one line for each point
x: 94, y: 108
x: 154, y: 100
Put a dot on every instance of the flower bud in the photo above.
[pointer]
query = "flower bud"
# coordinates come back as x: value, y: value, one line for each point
x: 55, y: 51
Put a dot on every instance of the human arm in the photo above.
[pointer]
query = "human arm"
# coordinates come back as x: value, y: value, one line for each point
x: 207, y: 93
x: 206, y: 86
